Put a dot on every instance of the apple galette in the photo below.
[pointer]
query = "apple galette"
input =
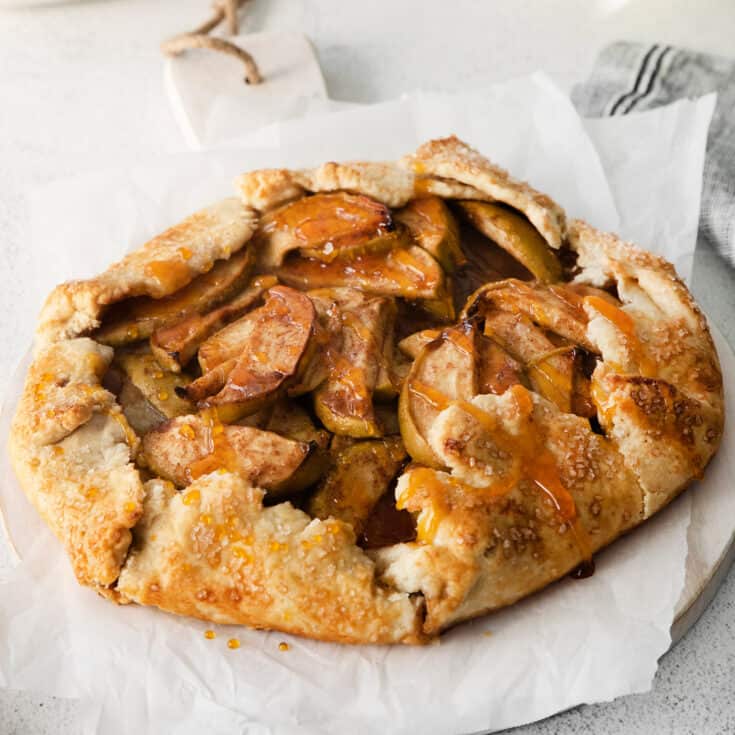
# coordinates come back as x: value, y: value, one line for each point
x: 363, y: 402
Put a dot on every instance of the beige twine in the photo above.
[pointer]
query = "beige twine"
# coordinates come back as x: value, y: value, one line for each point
x: 199, y: 38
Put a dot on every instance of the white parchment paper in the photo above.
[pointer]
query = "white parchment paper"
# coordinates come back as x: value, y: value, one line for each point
x: 140, y: 670
x: 648, y: 178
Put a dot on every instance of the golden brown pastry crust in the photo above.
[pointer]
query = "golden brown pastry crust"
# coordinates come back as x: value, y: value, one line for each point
x: 71, y: 448
x: 215, y: 552
x: 446, y: 167
x: 389, y: 183
x: 658, y: 391
x: 158, y: 268
x: 488, y: 552
x: 451, y: 160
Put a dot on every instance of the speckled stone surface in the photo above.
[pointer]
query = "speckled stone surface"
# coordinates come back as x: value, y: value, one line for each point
x: 81, y: 88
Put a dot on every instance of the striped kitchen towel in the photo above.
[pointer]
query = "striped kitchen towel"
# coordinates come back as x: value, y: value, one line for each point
x: 630, y: 77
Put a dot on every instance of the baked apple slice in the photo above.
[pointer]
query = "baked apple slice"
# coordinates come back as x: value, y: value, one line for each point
x: 175, y: 345
x: 269, y: 347
x: 140, y: 413
x: 544, y: 328
x: 208, y: 384
x: 584, y: 366
x: 514, y: 233
x: 433, y: 228
x: 353, y: 358
x: 392, y: 365
x: 137, y: 318
x: 325, y: 227
x: 443, y: 371
x: 230, y: 341
x: 497, y: 370
x: 288, y: 418
x: 187, y: 447
x: 226, y: 344
x: 550, y: 367
x: 327, y: 333
x: 409, y: 272
x: 147, y: 394
x: 414, y: 343
x: 553, y: 308
x: 360, y: 475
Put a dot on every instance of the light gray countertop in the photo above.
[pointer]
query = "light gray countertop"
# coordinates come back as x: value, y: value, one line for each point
x: 81, y: 88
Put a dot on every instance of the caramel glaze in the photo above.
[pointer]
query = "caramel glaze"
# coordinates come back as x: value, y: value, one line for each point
x: 427, y: 481
x: 220, y: 455
x: 398, y: 272
x: 327, y: 224
x: 616, y: 316
x: 354, y: 395
x: 170, y: 274
x: 351, y: 395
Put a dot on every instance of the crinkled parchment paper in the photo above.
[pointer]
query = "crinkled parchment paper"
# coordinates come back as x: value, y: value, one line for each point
x: 140, y: 670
